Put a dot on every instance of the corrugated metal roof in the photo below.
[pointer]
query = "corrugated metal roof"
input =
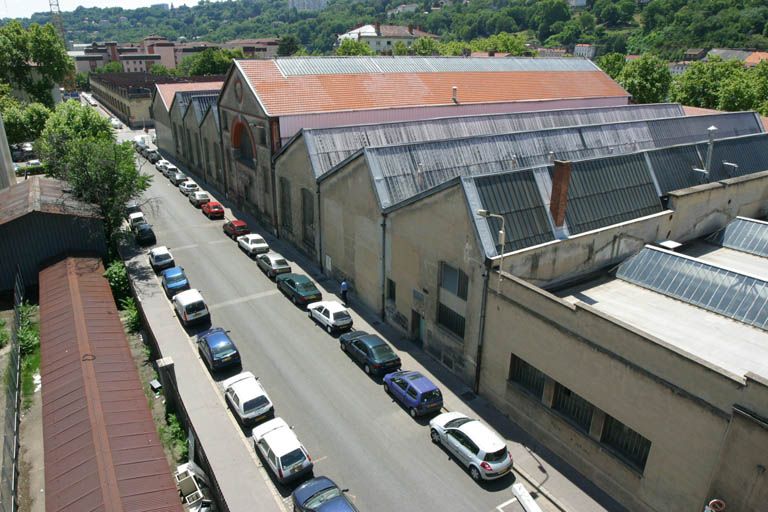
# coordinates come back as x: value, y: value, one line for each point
x: 740, y: 297
x: 181, y: 99
x: 297, y: 66
x: 168, y: 91
x: 40, y: 194
x: 608, y: 191
x: 400, y: 172
x: 750, y: 153
x: 329, y: 146
x: 516, y: 197
x: 101, y: 448
x: 745, y: 235
x: 729, y: 124
x: 201, y: 103
x: 673, y: 167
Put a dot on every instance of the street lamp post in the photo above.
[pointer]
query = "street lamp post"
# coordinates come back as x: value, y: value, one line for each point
x: 502, y: 241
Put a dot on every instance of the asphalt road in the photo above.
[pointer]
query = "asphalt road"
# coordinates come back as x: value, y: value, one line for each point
x: 354, y: 432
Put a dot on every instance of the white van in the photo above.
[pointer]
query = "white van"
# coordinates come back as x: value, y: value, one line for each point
x: 282, y: 450
x: 134, y: 219
x: 190, y: 307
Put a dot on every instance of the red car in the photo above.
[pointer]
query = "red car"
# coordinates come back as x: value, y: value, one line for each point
x: 213, y: 210
x: 236, y: 228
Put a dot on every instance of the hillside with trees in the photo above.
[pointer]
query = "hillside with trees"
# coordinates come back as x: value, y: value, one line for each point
x: 663, y: 27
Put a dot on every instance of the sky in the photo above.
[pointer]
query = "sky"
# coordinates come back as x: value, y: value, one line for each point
x: 25, y: 8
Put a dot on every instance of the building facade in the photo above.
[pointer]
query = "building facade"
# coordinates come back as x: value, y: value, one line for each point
x: 383, y: 38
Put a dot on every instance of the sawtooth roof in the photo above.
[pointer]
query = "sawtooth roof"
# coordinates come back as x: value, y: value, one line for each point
x: 201, y: 103
x: 303, y: 85
x: 167, y: 92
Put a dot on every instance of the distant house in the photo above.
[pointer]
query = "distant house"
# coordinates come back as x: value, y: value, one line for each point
x: 755, y: 58
x: 728, y: 54
x: 382, y: 38
x: 678, y: 68
x: 694, y: 54
x: 403, y: 8
x: 552, y: 52
x: 577, y: 3
x: 307, y: 5
x: 584, y: 50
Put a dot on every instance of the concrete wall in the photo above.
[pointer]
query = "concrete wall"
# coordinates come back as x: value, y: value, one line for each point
x: 351, y: 233
x: 178, y: 133
x: 294, y: 166
x: 162, y: 126
x: 192, y: 135
x: 694, y: 212
x: 210, y: 138
x: 682, y: 407
x: 133, y: 111
x: 419, y: 237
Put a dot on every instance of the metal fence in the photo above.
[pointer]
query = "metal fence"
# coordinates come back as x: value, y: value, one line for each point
x: 11, y: 383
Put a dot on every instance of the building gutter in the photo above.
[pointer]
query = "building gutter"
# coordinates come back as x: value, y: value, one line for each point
x: 481, y: 330
x: 319, y: 230
x: 382, y: 312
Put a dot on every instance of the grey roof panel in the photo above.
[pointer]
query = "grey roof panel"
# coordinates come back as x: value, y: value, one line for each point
x: 674, y: 166
x: 745, y: 235
x: 694, y: 128
x: 608, y: 191
x: 201, y: 103
x: 738, y: 296
x: 182, y: 98
x: 329, y: 146
x: 750, y: 153
x: 296, y: 66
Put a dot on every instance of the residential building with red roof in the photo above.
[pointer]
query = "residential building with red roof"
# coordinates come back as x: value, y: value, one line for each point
x: 383, y: 38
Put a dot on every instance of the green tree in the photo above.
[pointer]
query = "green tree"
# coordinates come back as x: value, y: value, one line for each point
x: 81, y: 82
x: 502, y: 42
x: 110, y: 67
x: 737, y: 93
x: 612, y: 63
x: 425, y: 46
x: 353, y: 47
x: 70, y: 122
x: 647, y: 79
x: 547, y: 13
x: 289, y: 45
x: 160, y: 70
x: 699, y: 85
x: 33, y: 60
x: 400, y: 48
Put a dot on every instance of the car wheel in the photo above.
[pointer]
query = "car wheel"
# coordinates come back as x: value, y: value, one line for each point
x: 367, y: 369
x: 434, y: 436
x: 293, y: 299
x: 309, y: 314
x: 386, y: 389
x: 343, y: 347
x: 474, y: 473
x: 412, y: 412
x: 328, y: 328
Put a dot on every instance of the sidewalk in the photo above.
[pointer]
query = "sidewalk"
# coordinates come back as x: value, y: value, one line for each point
x: 234, y: 464
x: 543, y: 472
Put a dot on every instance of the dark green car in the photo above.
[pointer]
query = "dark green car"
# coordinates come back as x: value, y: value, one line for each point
x: 300, y: 289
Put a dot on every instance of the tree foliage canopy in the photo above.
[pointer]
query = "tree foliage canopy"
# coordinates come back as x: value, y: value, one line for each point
x: 647, y: 79
x: 212, y: 61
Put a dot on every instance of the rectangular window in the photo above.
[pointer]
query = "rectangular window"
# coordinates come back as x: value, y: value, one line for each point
x: 286, y: 221
x: 627, y: 443
x: 451, y: 320
x: 573, y: 407
x: 453, y: 280
x: 526, y: 376
x: 391, y: 290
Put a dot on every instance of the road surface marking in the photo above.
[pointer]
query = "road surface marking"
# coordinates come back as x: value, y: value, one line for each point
x: 501, y: 507
x: 240, y: 300
x: 185, y: 247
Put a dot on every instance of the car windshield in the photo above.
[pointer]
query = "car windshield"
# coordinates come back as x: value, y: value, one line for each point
x: 341, y: 315
x: 430, y: 396
x: 498, y: 456
x: 241, y: 229
x: 178, y: 278
x: 280, y: 263
x: 321, y: 497
x: 306, y: 287
x: 163, y: 257
x: 143, y: 228
x: 255, y: 403
x: 223, y: 348
x: 458, y: 422
x: 382, y: 352
x: 291, y: 458
x: 195, y: 307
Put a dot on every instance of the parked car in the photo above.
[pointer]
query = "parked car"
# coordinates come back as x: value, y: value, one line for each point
x: 160, y: 258
x: 199, y: 198
x: 144, y: 234
x: 414, y: 391
x: 187, y: 187
x: 136, y: 218
x: 319, y: 495
x: 331, y: 315
x: 300, y: 289
x: 169, y: 170
x: 371, y: 352
x: 473, y: 444
x: 235, y: 228
x: 161, y: 164
x: 178, y: 178
x: 190, y: 307
x: 252, y: 244
x: 217, y: 349
x: 272, y: 264
x: 153, y: 156
x: 213, y: 210
x: 115, y: 122
x: 34, y: 163
x: 174, y: 280
x: 282, y: 451
x: 132, y: 207
x: 247, y: 398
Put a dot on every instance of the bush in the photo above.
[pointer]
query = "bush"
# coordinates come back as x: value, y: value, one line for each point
x: 132, y: 317
x: 4, y: 334
x: 117, y: 275
x: 28, y: 333
x: 174, y: 436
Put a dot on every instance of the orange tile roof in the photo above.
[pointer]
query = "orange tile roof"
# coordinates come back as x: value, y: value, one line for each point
x: 168, y: 91
x: 312, y: 93
x: 755, y: 58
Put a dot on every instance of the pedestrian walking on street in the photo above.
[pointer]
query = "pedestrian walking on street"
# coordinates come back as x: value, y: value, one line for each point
x: 344, y: 289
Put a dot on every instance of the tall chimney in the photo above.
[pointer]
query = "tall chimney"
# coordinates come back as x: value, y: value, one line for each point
x: 378, y: 28
x: 455, y: 94
x: 410, y: 28
x: 559, y: 199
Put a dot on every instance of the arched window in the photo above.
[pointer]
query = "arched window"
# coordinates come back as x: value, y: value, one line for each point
x: 241, y: 141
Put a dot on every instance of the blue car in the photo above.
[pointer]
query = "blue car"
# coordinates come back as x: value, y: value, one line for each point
x: 416, y: 392
x: 174, y: 280
x: 321, y: 494
x: 217, y: 349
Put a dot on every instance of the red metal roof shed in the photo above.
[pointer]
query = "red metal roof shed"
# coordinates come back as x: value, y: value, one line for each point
x: 101, y: 448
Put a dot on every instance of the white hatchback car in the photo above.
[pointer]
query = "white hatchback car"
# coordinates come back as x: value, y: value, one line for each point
x: 160, y: 165
x: 198, y: 198
x: 136, y: 218
x: 475, y: 445
x: 187, y: 187
x: 247, y: 398
x: 252, y: 244
x: 178, y: 178
x: 160, y: 258
x: 282, y: 450
x: 190, y: 307
x: 331, y: 315
x: 170, y: 170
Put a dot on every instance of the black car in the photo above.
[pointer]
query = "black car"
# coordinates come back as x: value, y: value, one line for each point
x: 144, y: 234
x: 370, y: 351
x: 217, y: 349
x: 300, y: 289
x: 153, y: 156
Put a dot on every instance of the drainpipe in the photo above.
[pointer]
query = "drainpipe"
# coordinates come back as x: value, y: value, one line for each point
x: 383, y: 263
x: 481, y: 330
x: 319, y: 231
